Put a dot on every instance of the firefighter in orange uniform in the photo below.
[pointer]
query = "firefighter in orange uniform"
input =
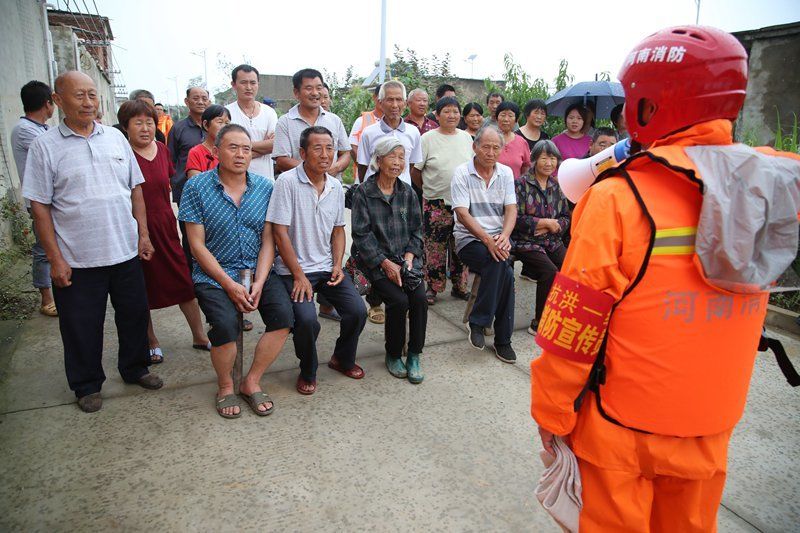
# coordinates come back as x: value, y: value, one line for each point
x: 646, y: 360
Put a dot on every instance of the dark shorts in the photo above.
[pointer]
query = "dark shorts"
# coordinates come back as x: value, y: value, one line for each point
x: 275, y: 308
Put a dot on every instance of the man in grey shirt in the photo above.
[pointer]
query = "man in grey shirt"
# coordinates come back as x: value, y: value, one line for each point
x: 308, y: 87
x: 37, y: 102
x: 307, y: 214
x: 485, y: 210
x: 84, y: 185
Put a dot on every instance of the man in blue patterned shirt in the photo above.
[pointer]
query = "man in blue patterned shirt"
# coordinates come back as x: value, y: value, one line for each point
x: 225, y: 214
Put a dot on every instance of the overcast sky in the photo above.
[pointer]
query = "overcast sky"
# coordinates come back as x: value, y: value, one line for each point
x: 154, y: 39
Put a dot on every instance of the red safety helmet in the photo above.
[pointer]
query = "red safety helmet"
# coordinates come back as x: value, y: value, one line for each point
x: 691, y: 73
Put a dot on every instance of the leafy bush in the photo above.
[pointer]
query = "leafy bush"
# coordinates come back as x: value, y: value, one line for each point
x: 15, y: 214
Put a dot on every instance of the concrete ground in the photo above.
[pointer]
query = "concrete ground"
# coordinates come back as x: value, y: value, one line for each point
x: 457, y: 453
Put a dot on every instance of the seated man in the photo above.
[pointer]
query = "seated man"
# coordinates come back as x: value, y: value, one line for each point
x: 602, y: 138
x: 485, y: 206
x: 225, y: 211
x: 307, y: 213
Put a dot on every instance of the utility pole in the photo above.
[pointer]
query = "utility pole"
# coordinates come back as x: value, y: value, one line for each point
x: 471, y: 61
x: 177, y: 94
x: 382, y: 73
x: 202, y: 53
x: 379, y: 72
x: 697, y: 16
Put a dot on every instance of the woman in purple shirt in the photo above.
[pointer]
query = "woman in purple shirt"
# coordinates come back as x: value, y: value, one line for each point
x: 574, y: 142
x: 516, y: 153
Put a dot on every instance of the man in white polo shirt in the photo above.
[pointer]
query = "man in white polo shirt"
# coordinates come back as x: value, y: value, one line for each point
x: 392, y: 100
x: 308, y: 87
x: 485, y: 205
x: 258, y: 119
x: 307, y: 214
x: 84, y: 186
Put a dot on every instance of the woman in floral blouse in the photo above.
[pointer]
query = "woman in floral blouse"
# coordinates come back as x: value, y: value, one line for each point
x: 543, y: 217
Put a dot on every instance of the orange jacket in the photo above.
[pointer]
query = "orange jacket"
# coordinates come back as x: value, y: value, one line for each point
x: 368, y: 118
x: 165, y: 124
x: 678, y: 357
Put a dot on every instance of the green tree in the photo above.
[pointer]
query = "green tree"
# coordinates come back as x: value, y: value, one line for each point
x: 422, y: 72
x: 563, y: 78
x: 520, y: 87
x: 350, y: 98
x: 350, y: 102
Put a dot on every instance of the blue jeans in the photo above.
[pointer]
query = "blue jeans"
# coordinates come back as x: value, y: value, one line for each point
x: 345, y: 299
x: 40, y: 269
x: 495, y: 299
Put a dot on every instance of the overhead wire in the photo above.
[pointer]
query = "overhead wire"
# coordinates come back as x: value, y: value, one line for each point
x: 89, y: 26
x: 95, y: 20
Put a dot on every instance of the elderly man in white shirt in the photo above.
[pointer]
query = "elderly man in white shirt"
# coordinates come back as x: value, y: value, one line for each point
x: 84, y: 186
x: 392, y: 100
x: 485, y: 205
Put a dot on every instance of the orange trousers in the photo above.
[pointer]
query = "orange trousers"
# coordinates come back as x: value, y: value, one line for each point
x: 639, y: 482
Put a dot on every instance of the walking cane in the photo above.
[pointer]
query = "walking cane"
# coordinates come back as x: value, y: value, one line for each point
x: 245, y: 277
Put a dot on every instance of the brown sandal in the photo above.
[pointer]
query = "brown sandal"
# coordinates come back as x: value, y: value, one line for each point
x: 306, y: 388
x: 49, y: 309
x: 355, y: 373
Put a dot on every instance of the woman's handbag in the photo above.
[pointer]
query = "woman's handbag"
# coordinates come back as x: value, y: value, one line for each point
x: 348, y: 195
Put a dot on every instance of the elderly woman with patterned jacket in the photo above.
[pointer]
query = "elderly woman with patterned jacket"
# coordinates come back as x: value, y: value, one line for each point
x: 543, y: 217
x: 387, y: 245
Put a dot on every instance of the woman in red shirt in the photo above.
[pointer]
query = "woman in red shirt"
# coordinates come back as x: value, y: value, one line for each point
x: 166, y: 275
x: 516, y: 153
x: 201, y: 157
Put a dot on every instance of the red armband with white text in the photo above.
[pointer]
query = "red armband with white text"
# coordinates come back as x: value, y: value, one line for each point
x: 574, y: 322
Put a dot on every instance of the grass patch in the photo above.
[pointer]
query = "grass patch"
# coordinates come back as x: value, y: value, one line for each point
x: 18, y: 298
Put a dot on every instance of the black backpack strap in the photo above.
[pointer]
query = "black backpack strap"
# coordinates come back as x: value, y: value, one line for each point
x: 597, y: 376
x: 784, y: 363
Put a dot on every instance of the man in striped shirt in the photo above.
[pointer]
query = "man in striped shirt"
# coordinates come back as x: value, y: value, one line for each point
x: 485, y: 207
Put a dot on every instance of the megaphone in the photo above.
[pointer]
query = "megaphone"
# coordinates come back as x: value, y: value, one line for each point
x: 575, y: 176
